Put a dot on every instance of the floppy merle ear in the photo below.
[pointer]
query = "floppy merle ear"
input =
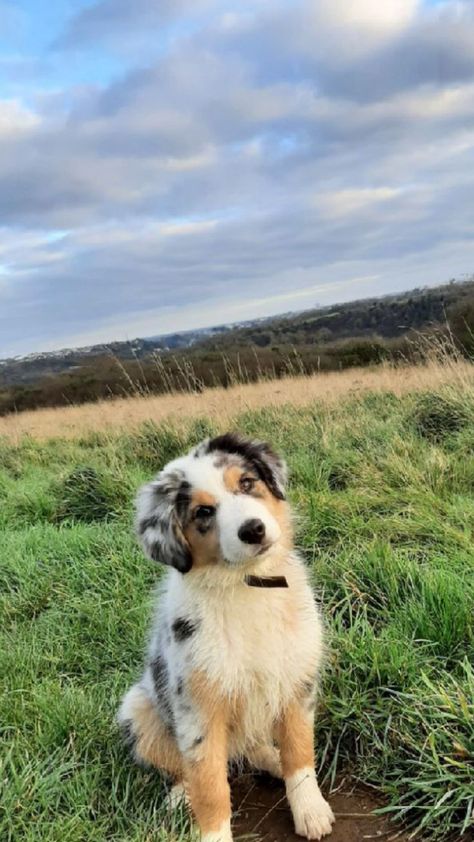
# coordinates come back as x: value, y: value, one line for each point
x: 158, y: 522
x: 270, y: 467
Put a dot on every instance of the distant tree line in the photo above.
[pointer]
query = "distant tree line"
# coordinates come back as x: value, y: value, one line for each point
x: 362, y: 333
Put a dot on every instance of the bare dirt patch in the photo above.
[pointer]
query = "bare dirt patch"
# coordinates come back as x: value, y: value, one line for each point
x: 260, y: 810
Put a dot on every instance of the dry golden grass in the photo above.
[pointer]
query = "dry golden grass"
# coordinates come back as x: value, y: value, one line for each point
x: 225, y: 404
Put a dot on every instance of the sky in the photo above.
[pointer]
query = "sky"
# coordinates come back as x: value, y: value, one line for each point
x: 173, y: 164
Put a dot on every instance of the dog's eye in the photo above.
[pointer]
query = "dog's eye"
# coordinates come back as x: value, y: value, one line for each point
x: 203, y: 512
x: 246, y: 484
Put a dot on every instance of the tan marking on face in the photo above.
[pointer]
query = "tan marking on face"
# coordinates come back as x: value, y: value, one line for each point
x: 209, y: 790
x: 154, y: 744
x: 232, y: 475
x: 204, y: 547
x: 201, y: 498
x: 279, y: 509
x: 295, y: 739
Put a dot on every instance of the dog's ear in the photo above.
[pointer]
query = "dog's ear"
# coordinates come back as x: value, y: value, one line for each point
x: 160, y: 509
x: 270, y: 467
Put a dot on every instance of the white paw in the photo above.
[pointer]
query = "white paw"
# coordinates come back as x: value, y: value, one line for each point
x: 177, y: 797
x: 314, y: 821
x: 224, y: 834
x: 312, y: 814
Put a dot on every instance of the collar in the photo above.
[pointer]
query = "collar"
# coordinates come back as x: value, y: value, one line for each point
x: 266, y: 581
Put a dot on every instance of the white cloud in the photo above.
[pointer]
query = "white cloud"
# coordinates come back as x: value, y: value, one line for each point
x: 174, y: 229
x: 15, y: 118
x: 356, y: 27
x: 343, y: 202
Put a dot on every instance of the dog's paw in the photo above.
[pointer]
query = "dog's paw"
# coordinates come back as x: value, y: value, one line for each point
x: 314, y: 821
x: 312, y: 814
x: 224, y: 834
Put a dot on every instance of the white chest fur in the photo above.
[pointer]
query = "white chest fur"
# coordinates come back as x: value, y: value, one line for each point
x: 256, y: 644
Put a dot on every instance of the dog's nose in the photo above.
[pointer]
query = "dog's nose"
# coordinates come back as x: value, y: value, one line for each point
x: 252, y: 531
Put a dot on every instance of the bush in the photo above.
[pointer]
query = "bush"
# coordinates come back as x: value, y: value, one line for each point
x: 461, y: 322
x: 86, y: 495
x: 435, y: 416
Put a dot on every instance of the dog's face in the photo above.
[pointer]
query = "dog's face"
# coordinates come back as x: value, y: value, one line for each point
x: 222, y: 503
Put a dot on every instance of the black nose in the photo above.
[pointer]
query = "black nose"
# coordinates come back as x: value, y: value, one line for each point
x: 252, y: 531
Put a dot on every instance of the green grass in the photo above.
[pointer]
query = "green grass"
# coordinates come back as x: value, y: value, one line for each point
x: 384, y: 493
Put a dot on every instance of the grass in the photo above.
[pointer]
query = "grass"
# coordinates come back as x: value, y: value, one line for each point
x: 383, y: 489
x: 442, y: 366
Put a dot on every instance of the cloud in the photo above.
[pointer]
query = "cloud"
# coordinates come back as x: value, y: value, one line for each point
x: 270, y: 152
x: 341, y: 31
x: 15, y: 118
x: 365, y: 51
x: 118, y: 20
x: 340, y: 203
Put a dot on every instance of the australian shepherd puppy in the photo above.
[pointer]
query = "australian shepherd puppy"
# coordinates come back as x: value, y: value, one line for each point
x: 236, y: 646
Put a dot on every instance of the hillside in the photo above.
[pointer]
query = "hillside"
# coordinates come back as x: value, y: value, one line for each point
x: 387, y: 317
x: 27, y: 369
x: 331, y: 338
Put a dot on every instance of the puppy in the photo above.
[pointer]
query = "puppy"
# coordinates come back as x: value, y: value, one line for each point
x: 236, y: 646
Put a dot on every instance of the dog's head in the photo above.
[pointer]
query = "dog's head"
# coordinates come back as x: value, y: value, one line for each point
x: 222, y: 503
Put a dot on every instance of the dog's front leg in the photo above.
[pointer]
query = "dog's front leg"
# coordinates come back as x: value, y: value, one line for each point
x: 206, y: 777
x: 312, y: 814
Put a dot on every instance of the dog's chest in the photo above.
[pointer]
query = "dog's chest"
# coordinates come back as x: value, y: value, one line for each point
x: 254, y: 643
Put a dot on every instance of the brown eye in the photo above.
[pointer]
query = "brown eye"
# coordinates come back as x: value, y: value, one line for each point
x: 203, y: 512
x: 247, y: 484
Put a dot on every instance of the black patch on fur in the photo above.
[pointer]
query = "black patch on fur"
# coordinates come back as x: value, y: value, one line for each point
x: 160, y: 679
x: 148, y: 523
x: 128, y: 735
x: 183, y: 499
x: 183, y: 561
x: 159, y: 673
x: 154, y: 550
x: 257, y: 454
x: 179, y: 686
x: 179, y: 554
x: 183, y: 628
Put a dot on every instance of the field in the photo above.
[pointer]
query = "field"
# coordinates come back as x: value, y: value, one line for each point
x: 382, y: 482
x: 224, y: 406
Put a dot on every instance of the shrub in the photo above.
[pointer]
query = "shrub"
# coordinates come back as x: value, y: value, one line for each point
x: 338, y: 477
x: 436, y: 416
x: 87, y: 495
